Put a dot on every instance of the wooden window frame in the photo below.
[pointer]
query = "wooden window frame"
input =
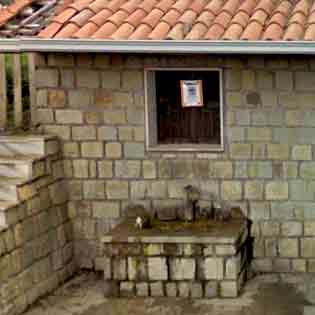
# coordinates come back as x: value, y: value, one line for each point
x: 151, y: 115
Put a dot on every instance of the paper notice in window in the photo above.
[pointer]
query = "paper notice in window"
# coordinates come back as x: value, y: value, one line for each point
x: 191, y: 93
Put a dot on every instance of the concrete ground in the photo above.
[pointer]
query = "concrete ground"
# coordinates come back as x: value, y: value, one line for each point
x: 83, y: 295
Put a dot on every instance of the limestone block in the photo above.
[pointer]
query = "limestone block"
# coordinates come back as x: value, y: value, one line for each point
x: 248, y: 79
x: 196, y: 290
x: 127, y: 288
x: 94, y: 189
x: 117, y: 189
x: 135, y: 117
x: 119, y: 268
x: 69, y: 116
x: 87, y: 78
x: 132, y: 80
x: 232, y: 267
x: 233, y: 79
x: 171, y: 289
x: 127, y: 169
x: 307, y: 170
x: 254, y: 190
x: 270, y: 228
x: 115, y: 117
x: 260, y: 169
x: 293, y: 228
x: 257, y: 134
x: 211, y: 289
x: 125, y: 133
x: 137, y: 268
x: 142, y: 289
x: 228, y: 289
x: 67, y: 78
x: 138, y: 189
x: 105, y: 169
x: 79, y: 98
x: 265, y: 79
x: 92, y: 149
x: 231, y: 190
x: 309, y: 228
x: 182, y: 268
x: 221, y: 169
x: 234, y: 99
x: 70, y: 149
x: 157, y: 189
x: 156, y: 289
x: 288, y: 247
x: 183, y: 289
x: 240, y: 151
x: 277, y: 191
x: 57, y: 98
x: 277, y: 151
x: 157, y: 268
x: 133, y: 150
x: 81, y: 168
x: 302, y: 152
x: 106, y: 209
x: 149, y: 169
x: 113, y: 150
x: 284, y: 80
x: 164, y: 168
x: 103, y: 99
x: 304, y: 81
x: 308, y: 247
x: 110, y: 79
x: 210, y: 268
x: 83, y: 133
x: 46, y: 78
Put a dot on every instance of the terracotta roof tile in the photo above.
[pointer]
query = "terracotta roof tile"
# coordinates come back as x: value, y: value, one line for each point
x: 136, y: 17
x: 100, y: 18
x: 51, y: 30
x: 97, y: 5
x: 206, y: 18
x: 123, y: 32
x: 65, y: 15
x: 81, y: 18
x: 198, y: 31
x: 86, y: 31
x: 79, y: 5
x: 160, y: 31
x: 183, y: 19
x: 141, y: 32
x: 153, y: 17
x: 67, y: 31
x: 171, y: 17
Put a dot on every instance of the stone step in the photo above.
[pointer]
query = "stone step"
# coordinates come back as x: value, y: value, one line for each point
x: 8, y: 187
x: 8, y: 213
x: 21, y: 166
x: 28, y: 145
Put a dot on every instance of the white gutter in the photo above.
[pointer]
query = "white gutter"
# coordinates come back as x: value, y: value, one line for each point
x: 162, y: 46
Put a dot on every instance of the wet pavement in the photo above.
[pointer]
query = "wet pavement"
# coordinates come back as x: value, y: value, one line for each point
x: 262, y: 295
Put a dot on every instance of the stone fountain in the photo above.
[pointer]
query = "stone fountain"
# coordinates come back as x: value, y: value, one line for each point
x: 197, y: 250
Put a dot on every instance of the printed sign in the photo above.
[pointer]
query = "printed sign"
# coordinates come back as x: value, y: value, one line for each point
x: 191, y: 93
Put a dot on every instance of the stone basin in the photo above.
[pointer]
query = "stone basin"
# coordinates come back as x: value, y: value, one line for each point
x: 199, y: 259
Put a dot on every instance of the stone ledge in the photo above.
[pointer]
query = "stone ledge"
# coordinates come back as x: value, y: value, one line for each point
x: 223, y: 233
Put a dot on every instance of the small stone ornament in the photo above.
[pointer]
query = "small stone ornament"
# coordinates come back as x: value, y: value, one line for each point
x: 143, y: 222
x: 139, y: 223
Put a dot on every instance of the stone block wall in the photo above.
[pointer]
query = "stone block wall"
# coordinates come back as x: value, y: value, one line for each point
x: 95, y: 104
x: 36, y: 250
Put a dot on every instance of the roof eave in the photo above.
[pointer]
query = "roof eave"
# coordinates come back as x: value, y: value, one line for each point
x: 158, y: 46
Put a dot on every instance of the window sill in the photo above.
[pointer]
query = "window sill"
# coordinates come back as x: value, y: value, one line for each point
x: 189, y: 147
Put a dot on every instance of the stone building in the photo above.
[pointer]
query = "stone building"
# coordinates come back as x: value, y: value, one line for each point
x: 97, y: 68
